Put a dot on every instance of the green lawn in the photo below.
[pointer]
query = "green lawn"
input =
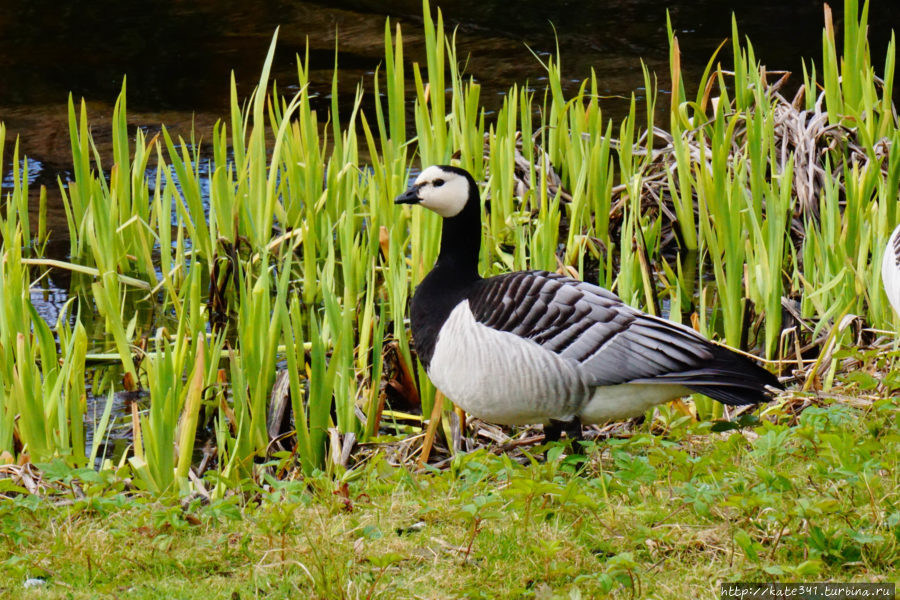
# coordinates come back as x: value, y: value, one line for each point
x: 794, y: 498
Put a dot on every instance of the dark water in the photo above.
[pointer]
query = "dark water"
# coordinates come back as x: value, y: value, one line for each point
x: 178, y: 55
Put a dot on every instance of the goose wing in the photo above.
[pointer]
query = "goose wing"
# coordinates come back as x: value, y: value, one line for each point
x: 612, y: 342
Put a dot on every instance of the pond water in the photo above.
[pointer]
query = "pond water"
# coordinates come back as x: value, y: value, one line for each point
x: 178, y: 55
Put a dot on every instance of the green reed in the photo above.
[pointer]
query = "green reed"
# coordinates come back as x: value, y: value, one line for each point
x: 43, y: 385
x: 177, y: 372
x: 297, y: 258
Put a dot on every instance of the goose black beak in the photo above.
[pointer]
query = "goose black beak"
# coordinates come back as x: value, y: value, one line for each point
x: 410, y: 196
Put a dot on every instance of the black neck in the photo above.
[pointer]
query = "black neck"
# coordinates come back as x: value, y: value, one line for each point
x: 461, y: 241
x: 453, y: 275
x: 461, y: 237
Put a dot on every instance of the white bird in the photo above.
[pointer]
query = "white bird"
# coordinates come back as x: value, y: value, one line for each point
x: 535, y: 347
x: 890, y: 269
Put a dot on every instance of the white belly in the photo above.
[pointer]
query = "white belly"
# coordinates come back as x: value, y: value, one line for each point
x: 501, y: 377
x: 626, y: 400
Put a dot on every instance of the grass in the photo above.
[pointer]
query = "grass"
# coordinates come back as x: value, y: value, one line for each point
x: 809, y: 497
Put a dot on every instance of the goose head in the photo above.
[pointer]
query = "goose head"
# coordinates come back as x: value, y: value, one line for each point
x: 443, y: 189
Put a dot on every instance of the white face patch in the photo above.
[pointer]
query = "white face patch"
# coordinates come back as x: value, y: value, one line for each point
x: 444, y: 192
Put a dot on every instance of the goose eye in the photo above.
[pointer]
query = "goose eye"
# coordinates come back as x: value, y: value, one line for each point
x: 437, y: 182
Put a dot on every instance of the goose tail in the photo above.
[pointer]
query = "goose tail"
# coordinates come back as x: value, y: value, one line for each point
x: 730, y: 378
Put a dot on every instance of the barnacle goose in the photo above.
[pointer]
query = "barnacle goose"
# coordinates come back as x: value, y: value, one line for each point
x: 536, y: 347
x: 890, y: 269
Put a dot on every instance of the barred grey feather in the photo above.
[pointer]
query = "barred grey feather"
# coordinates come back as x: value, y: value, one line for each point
x: 612, y: 342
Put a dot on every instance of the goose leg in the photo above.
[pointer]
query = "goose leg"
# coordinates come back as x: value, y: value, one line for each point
x: 555, y: 429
